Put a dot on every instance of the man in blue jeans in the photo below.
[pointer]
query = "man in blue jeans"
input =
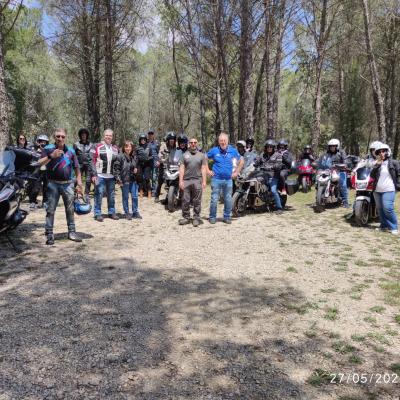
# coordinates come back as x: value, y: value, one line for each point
x: 227, y: 165
x: 104, y: 155
x: 61, y: 162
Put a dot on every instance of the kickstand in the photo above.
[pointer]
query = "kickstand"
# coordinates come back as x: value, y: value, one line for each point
x: 12, y: 244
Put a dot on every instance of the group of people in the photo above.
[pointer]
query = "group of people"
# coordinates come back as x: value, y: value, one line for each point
x: 139, y: 171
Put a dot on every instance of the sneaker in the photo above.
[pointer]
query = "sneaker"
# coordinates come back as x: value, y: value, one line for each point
x: 212, y: 221
x: 99, y: 218
x: 32, y: 206
x: 346, y: 205
x: 44, y: 205
x: 128, y: 217
x: 381, y: 229
x: 156, y: 199
x: 227, y: 221
x: 114, y: 217
x: 196, y: 222
x: 50, y: 240
x: 279, y: 211
x: 136, y: 215
x: 394, y: 232
x: 74, y: 237
x: 184, y: 221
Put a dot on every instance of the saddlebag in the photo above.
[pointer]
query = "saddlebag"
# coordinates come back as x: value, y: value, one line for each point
x: 292, y: 186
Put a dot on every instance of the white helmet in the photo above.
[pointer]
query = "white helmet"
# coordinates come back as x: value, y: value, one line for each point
x: 242, y: 142
x: 373, y: 145
x: 382, y: 146
x: 334, y: 142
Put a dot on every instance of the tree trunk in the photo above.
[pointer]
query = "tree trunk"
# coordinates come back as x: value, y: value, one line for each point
x: 178, y: 82
x: 257, y: 94
x: 245, y: 115
x: 108, y: 65
x: 316, y: 131
x: 4, y: 128
x: 269, y: 26
x: 218, y: 15
x: 376, y: 86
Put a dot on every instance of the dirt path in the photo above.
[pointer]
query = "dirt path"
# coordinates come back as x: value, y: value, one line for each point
x: 265, y: 308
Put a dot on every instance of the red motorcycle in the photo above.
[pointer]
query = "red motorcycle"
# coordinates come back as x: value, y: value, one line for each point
x: 306, y: 173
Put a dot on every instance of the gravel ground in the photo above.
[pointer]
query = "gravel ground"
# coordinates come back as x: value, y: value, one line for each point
x: 265, y: 308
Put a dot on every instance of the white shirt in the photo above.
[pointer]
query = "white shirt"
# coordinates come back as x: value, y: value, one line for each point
x: 109, y: 159
x: 385, y: 182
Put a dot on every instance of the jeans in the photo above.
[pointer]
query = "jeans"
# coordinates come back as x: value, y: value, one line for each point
x: 385, y: 207
x: 216, y: 186
x: 273, y: 184
x: 54, y: 191
x: 192, y: 192
x: 133, y: 190
x: 154, y: 179
x: 343, y: 187
x: 107, y: 184
x: 85, y: 172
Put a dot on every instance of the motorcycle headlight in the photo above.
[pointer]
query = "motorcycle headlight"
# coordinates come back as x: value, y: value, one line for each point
x: 361, y: 185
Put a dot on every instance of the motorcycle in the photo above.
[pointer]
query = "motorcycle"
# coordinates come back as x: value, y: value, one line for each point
x: 16, y: 168
x: 306, y: 173
x: 364, y: 205
x: 327, y: 186
x: 171, y: 179
x: 253, y: 192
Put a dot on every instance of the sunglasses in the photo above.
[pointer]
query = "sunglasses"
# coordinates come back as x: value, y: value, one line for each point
x: 382, y: 151
x: 60, y: 136
x: 192, y: 142
x: 21, y: 138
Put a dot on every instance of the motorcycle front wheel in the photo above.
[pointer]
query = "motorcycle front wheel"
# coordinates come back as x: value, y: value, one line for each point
x: 172, y: 198
x: 239, y: 204
x: 361, y: 212
x: 319, y: 199
x: 304, y: 184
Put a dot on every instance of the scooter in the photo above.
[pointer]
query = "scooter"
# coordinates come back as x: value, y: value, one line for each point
x: 306, y: 174
x: 364, y: 205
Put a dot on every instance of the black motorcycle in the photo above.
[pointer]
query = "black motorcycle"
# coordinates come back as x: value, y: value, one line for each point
x: 17, y: 167
x: 252, y: 192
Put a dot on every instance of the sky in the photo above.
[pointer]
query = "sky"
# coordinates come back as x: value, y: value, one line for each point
x: 49, y: 27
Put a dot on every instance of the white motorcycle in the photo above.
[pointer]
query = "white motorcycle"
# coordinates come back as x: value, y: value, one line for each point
x: 171, y: 179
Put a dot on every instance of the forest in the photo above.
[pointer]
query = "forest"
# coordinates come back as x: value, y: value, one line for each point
x: 306, y: 70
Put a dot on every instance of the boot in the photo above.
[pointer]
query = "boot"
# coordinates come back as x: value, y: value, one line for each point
x: 74, y: 237
x: 50, y: 239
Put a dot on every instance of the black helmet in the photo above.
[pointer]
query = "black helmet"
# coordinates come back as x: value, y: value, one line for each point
x: 183, y: 139
x: 270, y: 142
x: 283, y: 142
x: 307, y: 147
x: 250, y: 141
x: 142, y: 136
x: 170, y: 135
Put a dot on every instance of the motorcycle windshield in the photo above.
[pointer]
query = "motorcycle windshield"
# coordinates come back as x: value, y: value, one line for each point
x: 305, y: 163
x: 7, y: 163
x: 363, y: 173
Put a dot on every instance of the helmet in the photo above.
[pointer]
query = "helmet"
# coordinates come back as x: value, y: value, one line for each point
x: 374, y: 145
x: 151, y: 131
x: 182, y: 138
x: 283, y: 142
x: 250, y: 141
x: 43, y: 137
x: 81, y: 207
x: 170, y: 135
x: 82, y: 131
x: 334, y: 142
x: 142, y: 136
x: 382, y: 146
x: 242, y: 143
x: 307, y: 147
x: 270, y: 142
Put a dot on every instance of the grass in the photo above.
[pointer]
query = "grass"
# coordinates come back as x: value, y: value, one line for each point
x: 361, y: 263
x: 343, y: 348
x: 354, y: 359
x: 377, y: 309
x: 291, y: 269
x: 319, y: 377
x: 379, y: 337
x: 341, y: 269
x: 371, y: 320
x: 358, y: 338
x: 397, y: 318
x: 329, y: 290
x: 392, y: 292
x: 395, y: 368
x: 309, y: 263
x: 331, y: 313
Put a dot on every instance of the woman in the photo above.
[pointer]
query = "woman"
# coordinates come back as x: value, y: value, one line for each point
x: 22, y: 142
x: 125, y: 170
x: 386, y: 175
